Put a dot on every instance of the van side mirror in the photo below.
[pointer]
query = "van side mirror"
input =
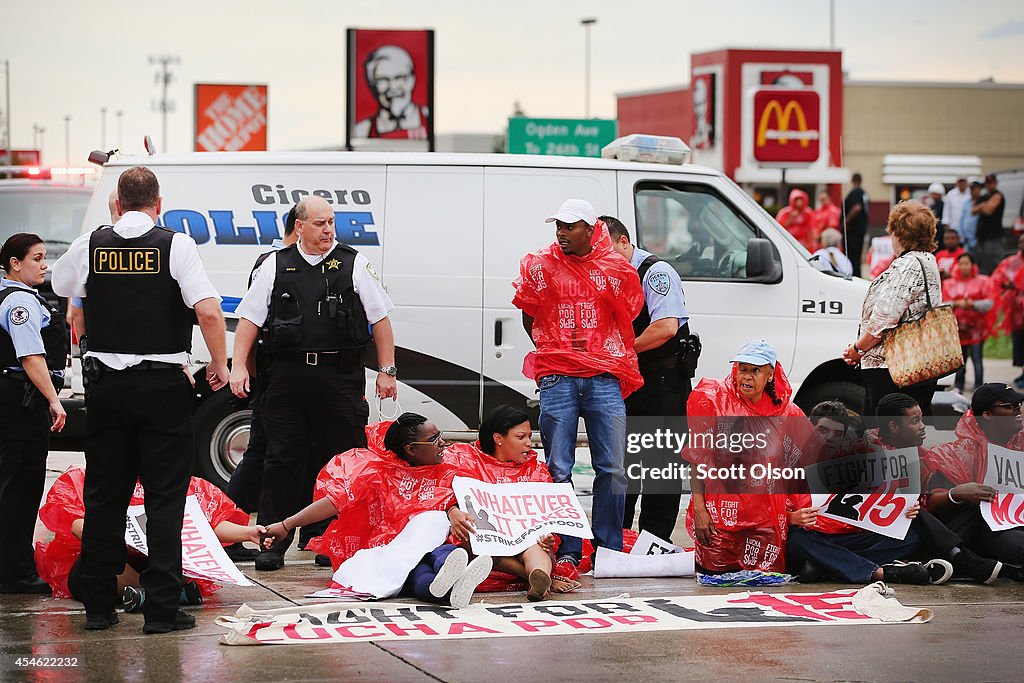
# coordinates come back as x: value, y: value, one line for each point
x: 762, y: 263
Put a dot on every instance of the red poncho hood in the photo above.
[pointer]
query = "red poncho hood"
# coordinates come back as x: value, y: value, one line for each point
x: 964, y: 460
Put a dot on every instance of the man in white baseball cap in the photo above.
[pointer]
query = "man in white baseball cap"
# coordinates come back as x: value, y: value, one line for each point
x: 573, y: 210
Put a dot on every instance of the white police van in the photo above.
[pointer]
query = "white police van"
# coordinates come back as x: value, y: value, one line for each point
x: 445, y: 233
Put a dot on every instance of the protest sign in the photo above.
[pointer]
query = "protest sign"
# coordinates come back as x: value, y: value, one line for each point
x: 360, y: 623
x: 649, y: 544
x: 202, y: 555
x: 511, y: 517
x: 612, y: 564
x: 870, y: 491
x: 1004, y: 473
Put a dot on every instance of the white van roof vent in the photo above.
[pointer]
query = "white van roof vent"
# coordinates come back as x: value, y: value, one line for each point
x: 655, y: 149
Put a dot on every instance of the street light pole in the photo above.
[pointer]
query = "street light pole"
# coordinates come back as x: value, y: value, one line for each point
x: 587, y: 23
x: 119, y: 114
x: 67, y: 140
x: 103, y: 127
x: 7, y: 111
x: 163, y: 78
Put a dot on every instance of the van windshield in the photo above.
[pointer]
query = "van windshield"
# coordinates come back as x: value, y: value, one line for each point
x: 53, y: 213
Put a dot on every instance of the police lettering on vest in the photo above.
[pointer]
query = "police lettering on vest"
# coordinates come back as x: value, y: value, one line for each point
x: 54, y: 335
x: 134, y: 304
x: 315, y: 308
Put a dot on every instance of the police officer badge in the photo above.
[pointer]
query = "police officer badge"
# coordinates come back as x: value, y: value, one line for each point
x: 660, y: 283
x: 19, y: 315
x: 333, y: 264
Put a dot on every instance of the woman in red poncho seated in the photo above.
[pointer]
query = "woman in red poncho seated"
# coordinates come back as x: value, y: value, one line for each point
x: 504, y: 455
x: 740, y: 524
x: 63, y: 513
x: 375, y: 494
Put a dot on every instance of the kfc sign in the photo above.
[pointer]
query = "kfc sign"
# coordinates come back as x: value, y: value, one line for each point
x: 231, y: 118
x: 787, y: 126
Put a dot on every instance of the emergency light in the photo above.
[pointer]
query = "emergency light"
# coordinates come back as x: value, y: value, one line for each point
x: 655, y: 149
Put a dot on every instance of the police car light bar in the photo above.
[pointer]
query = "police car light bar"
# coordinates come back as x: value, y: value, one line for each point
x: 655, y: 149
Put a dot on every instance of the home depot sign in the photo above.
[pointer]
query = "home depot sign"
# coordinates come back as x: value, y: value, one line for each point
x: 231, y: 118
x: 787, y: 126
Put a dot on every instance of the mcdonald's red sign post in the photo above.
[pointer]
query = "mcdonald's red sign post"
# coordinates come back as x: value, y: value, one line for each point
x: 787, y: 126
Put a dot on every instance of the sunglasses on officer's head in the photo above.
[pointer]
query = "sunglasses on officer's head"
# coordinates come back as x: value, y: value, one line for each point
x: 436, y: 440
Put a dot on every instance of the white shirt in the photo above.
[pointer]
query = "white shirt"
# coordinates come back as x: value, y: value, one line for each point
x: 953, y: 206
x: 70, y: 275
x: 255, y: 305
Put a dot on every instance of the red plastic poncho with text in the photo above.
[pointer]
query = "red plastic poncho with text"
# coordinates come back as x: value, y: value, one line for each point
x: 582, y: 310
x: 1008, y: 290
x: 751, y: 525
x: 964, y: 460
x: 65, y: 503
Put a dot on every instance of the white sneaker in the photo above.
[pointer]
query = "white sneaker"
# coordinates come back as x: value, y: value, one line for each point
x: 939, y: 571
x: 451, y: 571
x: 474, y: 575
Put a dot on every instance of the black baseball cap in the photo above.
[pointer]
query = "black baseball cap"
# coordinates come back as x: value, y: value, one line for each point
x: 989, y: 394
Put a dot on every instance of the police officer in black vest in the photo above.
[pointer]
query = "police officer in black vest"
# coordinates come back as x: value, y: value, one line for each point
x: 667, y: 355
x: 33, y: 354
x: 316, y: 302
x: 141, y: 284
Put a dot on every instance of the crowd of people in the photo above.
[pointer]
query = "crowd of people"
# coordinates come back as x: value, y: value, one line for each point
x: 611, y: 333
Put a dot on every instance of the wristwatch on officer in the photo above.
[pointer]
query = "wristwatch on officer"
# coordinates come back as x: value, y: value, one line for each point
x: 389, y: 370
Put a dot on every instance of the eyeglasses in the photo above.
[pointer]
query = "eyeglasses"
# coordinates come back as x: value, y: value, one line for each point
x: 1015, y: 407
x: 436, y: 441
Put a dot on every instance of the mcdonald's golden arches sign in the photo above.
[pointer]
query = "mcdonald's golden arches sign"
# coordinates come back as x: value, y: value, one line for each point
x: 787, y: 126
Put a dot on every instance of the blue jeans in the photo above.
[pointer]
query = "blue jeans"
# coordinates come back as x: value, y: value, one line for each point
x: 850, y: 557
x: 974, y: 352
x: 598, y: 400
x: 423, y: 574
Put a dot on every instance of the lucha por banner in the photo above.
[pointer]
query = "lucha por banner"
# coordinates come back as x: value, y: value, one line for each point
x: 871, y: 491
x: 202, y: 555
x: 230, y: 118
x: 1004, y: 473
x: 360, y: 623
x: 390, y: 89
x: 511, y: 517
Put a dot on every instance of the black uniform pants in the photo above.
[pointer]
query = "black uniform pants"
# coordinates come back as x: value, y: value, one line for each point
x: 311, y: 413
x: 139, y: 426
x: 246, y: 482
x: 24, y: 442
x: 663, y: 393
x: 1005, y: 546
x: 878, y: 383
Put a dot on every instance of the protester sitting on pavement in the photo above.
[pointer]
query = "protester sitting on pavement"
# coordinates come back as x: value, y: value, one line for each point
x: 974, y: 308
x: 63, y: 513
x: 376, y: 491
x: 738, y: 524
x: 900, y: 293
x: 504, y: 455
x: 956, y: 472
x: 820, y: 547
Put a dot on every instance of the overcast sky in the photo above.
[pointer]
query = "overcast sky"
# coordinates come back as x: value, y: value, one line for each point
x: 69, y: 57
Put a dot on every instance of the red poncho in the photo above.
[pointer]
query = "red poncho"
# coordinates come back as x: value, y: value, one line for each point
x: 974, y: 326
x: 965, y: 460
x: 801, y: 223
x: 64, y: 504
x: 946, y: 261
x: 476, y: 464
x: 751, y: 524
x: 376, y: 494
x: 582, y: 310
x: 1008, y: 290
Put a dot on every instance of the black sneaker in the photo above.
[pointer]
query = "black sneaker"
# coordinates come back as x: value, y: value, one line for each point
x: 322, y: 560
x: 811, y: 573
x: 182, y: 622
x: 939, y: 571
x: 905, y: 572
x: 1012, y: 571
x: 968, y: 564
x: 239, y: 553
x: 190, y: 594
x: 132, y: 599
x: 269, y: 562
x: 100, y: 622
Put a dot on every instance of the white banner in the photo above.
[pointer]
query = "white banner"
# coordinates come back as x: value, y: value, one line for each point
x: 875, y: 489
x: 511, y: 517
x: 649, y: 544
x: 359, y: 623
x: 202, y: 555
x: 612, y: 564
x: 1005, y: 473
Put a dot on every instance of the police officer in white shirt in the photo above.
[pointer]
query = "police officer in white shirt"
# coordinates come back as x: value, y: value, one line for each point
x: 316, y: 302
x: 141, y: 284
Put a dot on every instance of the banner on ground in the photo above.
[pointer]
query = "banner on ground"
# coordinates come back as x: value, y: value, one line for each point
x: 360, y: 623
x: 202, y: 555
x: 511, y: 517
x: 870, y: 491
x: 1004, y: 473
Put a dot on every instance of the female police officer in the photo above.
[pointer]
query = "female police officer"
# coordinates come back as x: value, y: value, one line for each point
x: 33, y: 345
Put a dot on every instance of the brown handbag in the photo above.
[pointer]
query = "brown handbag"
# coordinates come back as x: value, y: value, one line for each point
x: 926, y: 348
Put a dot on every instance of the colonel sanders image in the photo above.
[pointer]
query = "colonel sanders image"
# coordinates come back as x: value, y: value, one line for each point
x: 704, y: 127
x: 392, y: 78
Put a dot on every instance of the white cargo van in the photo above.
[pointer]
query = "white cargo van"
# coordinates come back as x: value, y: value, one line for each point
x: 445, y: 233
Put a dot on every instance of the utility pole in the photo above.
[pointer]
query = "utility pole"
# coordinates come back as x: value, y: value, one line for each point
x: 67, y: 140
x: 7, y: 111
x: 163, y: 79
x: 119, y: 114
x: 103, y: 128
x: 587, y: 23
x: 831, y: 24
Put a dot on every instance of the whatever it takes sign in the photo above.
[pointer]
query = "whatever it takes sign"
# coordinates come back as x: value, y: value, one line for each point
x: 231, y: 118
x: 787, y: 126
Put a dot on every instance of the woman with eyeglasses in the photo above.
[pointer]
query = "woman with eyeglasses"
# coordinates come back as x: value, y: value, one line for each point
x: 378, y: 490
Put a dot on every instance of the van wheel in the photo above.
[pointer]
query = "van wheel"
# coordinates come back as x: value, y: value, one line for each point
x: 849, y: 394
x: 222, y: 435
